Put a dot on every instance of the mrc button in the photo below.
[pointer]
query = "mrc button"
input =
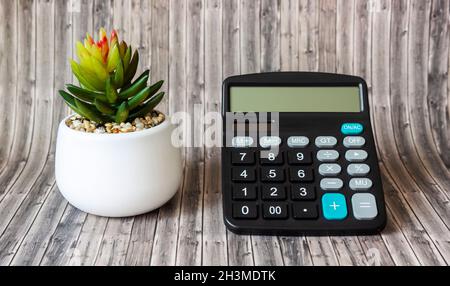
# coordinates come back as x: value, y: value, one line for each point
x: 352, y: 129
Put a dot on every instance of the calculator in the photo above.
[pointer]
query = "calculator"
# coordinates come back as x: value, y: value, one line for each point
x: 299, y: 156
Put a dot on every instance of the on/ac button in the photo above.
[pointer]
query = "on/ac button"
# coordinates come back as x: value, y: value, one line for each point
x: 352, y: 128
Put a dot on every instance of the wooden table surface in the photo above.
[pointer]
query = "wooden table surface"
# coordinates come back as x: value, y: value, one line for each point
x: 400, y: 47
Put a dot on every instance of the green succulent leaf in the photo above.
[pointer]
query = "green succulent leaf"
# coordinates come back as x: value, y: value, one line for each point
x: 110, y: 91
x: 87, y: 78
x: 127, y: 58
x: 104, y: 107
x: 84, y: 94
x: 123, y: 49
x: 113, y: 59
x: 132, y: 68
x: 70, y: 100
x: 144, y: 95
x: 90, y: 112
x: 148, y: 106
x: 135, y: 88
x: 119, y: 74
x: 83, y: 81
x: 129, y: 84
x: 122, y: 112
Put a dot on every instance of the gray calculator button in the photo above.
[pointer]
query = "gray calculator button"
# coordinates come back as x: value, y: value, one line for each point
x: 364, y: 206
x: 242, y: 142
x: 354, y: 141
x: 331, y: 184
x: 358, y: 169
x: 298, y: 141
x: 327, y: 155
x: 269, y: 141
x: 356, y: 156
x: 326, y: 141
x: 360, y: 184
x: 327, y: 170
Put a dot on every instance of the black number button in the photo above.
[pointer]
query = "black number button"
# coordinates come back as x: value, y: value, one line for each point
x: 272, y: 174
x: 299, y: 158
x: 243, y: 175
x: 271, y: 158
x: 301, y: 175
x: 275, y: 211
x: 245, y: 211
x: 243, y: 157
x: 273, y: 192
x: 244, y: 192
x: 303, y: 192
x: 305, y: 211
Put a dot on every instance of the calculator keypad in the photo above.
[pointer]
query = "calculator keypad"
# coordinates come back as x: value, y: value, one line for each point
x: 306, y: 179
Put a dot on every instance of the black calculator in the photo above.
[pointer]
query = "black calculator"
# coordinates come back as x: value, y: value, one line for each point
x: 299, y: 156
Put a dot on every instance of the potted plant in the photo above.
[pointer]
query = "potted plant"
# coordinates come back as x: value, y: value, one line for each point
x: 114, y: 157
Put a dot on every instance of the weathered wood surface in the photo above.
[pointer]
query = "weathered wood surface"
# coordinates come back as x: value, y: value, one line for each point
x: 401, y: 47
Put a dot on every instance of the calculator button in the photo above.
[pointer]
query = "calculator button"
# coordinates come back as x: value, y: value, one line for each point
x: 299, y: 158
x: 242, y: 142
x: 327, y: 155
x: 356, y: 155
x: 303, y: 192
x: 364, y: 206
x: 326, y: 141
x: 243, y: 157
x: 243, y: 175
x: 245, y: 211
x: 354, y: 142
x: 334, y: 206
x: 269, y: 141
x: 331, y: 184
x: 301, y: 175
x: 273, y: 192
x: 360, y: 184
x: 329, y: 170
x: 298, y: 141
x: 305, y: 211
x: 358, y: 169
x: 275, y: 211
x: 272, y: 174
x: 272, y: 158
x: 244, y: 192
x: 352, y: 129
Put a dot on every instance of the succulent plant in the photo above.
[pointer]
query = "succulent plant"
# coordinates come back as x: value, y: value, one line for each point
x: 107, y: 92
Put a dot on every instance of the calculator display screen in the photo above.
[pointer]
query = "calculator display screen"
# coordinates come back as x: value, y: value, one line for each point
x: 295, y: 99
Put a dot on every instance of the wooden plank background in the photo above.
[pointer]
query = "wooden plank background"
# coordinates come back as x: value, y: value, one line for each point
x: 401, y: 47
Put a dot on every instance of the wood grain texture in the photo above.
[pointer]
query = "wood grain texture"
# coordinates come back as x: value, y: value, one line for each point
x: 401, y: 48
x: 214, y: 231
x: 8, y: 72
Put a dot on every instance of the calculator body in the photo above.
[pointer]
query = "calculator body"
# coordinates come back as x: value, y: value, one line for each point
x: 325, y: 179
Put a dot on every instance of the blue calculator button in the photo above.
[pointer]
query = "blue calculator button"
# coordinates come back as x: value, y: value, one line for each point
x: 352, y: 129
x: 334, y: 207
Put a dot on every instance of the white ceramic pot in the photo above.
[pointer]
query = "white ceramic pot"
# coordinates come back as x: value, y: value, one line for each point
x: 118, y: 175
